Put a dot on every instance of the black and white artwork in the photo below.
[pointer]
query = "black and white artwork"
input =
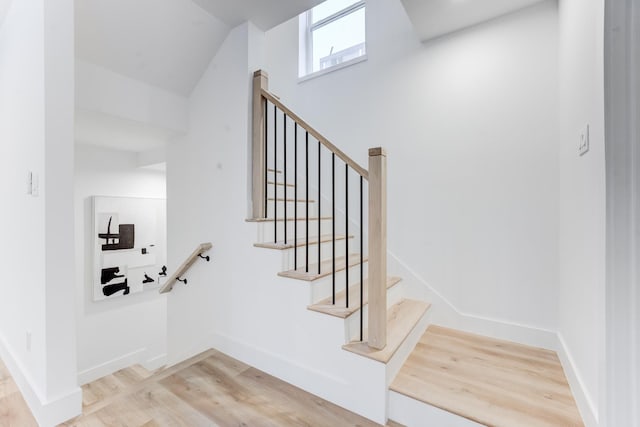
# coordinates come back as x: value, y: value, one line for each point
x: 129, y: 245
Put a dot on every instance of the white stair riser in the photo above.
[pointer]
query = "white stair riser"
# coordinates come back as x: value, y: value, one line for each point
x: 322, y: 288
x: 291, y: 191
x: 326, y: 253
x: 413, y: 413
x: 266, y: 230
x: 302, y: 208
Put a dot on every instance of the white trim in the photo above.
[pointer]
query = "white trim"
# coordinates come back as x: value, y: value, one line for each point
x: 306, y: 28
x: 110, y: 366
x: 586, y: 405
x: 334, y: 17
x: 413, y: 413
x: 622, y: 137
x: 46, y: 411
x: 334, y: 68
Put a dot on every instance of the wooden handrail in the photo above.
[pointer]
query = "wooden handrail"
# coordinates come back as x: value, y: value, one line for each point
x: 202, y: 248
x: 317, y: 135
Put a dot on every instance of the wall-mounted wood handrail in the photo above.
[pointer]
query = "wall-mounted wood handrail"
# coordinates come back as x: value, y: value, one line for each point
x: 171, y: 281
x: 317, y: 135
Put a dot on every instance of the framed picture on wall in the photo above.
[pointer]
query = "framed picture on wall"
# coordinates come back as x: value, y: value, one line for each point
x: 129, y: 249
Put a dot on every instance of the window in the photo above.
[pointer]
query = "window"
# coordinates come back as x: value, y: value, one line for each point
x: 332, y: 35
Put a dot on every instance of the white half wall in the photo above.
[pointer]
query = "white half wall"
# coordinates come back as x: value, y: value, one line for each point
x: 582, y: 200
x: 37, y: 328
x: 116, y: 333
x: 470, y: 125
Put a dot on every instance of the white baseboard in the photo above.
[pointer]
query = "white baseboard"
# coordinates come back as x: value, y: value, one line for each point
x: 155, y: 362
x: 111, y: 366
x: 47, y: 412
x: 586, y: 405
x: 446, y: 314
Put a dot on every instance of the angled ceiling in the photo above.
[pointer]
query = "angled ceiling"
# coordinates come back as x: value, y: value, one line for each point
x: 435, y: 18
x: 168, y: 43
x: 265, y: 14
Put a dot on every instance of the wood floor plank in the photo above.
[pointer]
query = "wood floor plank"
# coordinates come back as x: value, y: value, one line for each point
x: 14, y: 412
x: 492, y: 382
x: 213, y: 389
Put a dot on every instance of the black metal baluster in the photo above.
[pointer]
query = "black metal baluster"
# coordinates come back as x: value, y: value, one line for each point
x: 266, y: 157
x: 333, y: 225
x: 295, y: 194
x: 319, y: 206
x: 361, y: 266
x: 307, y: 202
x: 346, y: 240
x: 284, y: 185
x: 275, y: 175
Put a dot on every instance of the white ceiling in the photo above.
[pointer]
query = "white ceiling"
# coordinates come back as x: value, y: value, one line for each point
x: 265, y: 14
x: 108, y: 131
x: 168, y: 43
x: 435, y: 18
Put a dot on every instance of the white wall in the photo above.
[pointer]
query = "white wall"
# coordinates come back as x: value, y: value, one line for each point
x: 469, y: 122
x: 37, y: 339
x: 582, y: 194
x: 206, y: 192
x: 116, y: 333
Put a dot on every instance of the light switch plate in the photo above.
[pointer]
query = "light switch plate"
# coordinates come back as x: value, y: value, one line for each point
x: 583, y: 141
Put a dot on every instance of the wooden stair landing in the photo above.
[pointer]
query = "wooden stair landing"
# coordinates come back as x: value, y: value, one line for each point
x: 489, y: 381
x: 401, y: 319
x: 326, y: 268
x: 340, y: 309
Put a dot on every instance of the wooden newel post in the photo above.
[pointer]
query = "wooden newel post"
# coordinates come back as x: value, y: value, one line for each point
x: 377, y: 248
x: 260, y: 82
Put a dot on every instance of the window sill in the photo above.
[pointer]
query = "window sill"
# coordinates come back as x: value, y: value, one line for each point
x: 332, y: 69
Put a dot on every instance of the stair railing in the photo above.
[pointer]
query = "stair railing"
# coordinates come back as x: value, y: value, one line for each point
x: 271, y: 150
x: 178, y: 276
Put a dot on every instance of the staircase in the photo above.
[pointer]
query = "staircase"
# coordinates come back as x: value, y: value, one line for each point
x: 317, y: 207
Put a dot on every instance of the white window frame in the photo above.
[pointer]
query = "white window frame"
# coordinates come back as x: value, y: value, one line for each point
x: 305, y: 69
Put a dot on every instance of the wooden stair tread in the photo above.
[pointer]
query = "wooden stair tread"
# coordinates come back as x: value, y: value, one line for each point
x: 313, y: 240
x: 280, y: 184
x: 339, y: 309
x: 273, y: 170
x: 326, y: 268
x: 280, y: 199
x: 490, y: 381
x: 323, y: 218
x: 401, y: 319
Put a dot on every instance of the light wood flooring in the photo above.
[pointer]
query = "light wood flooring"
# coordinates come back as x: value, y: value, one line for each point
x: 492, y: 382
x: 13, y: 409
x: 210, y: 389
